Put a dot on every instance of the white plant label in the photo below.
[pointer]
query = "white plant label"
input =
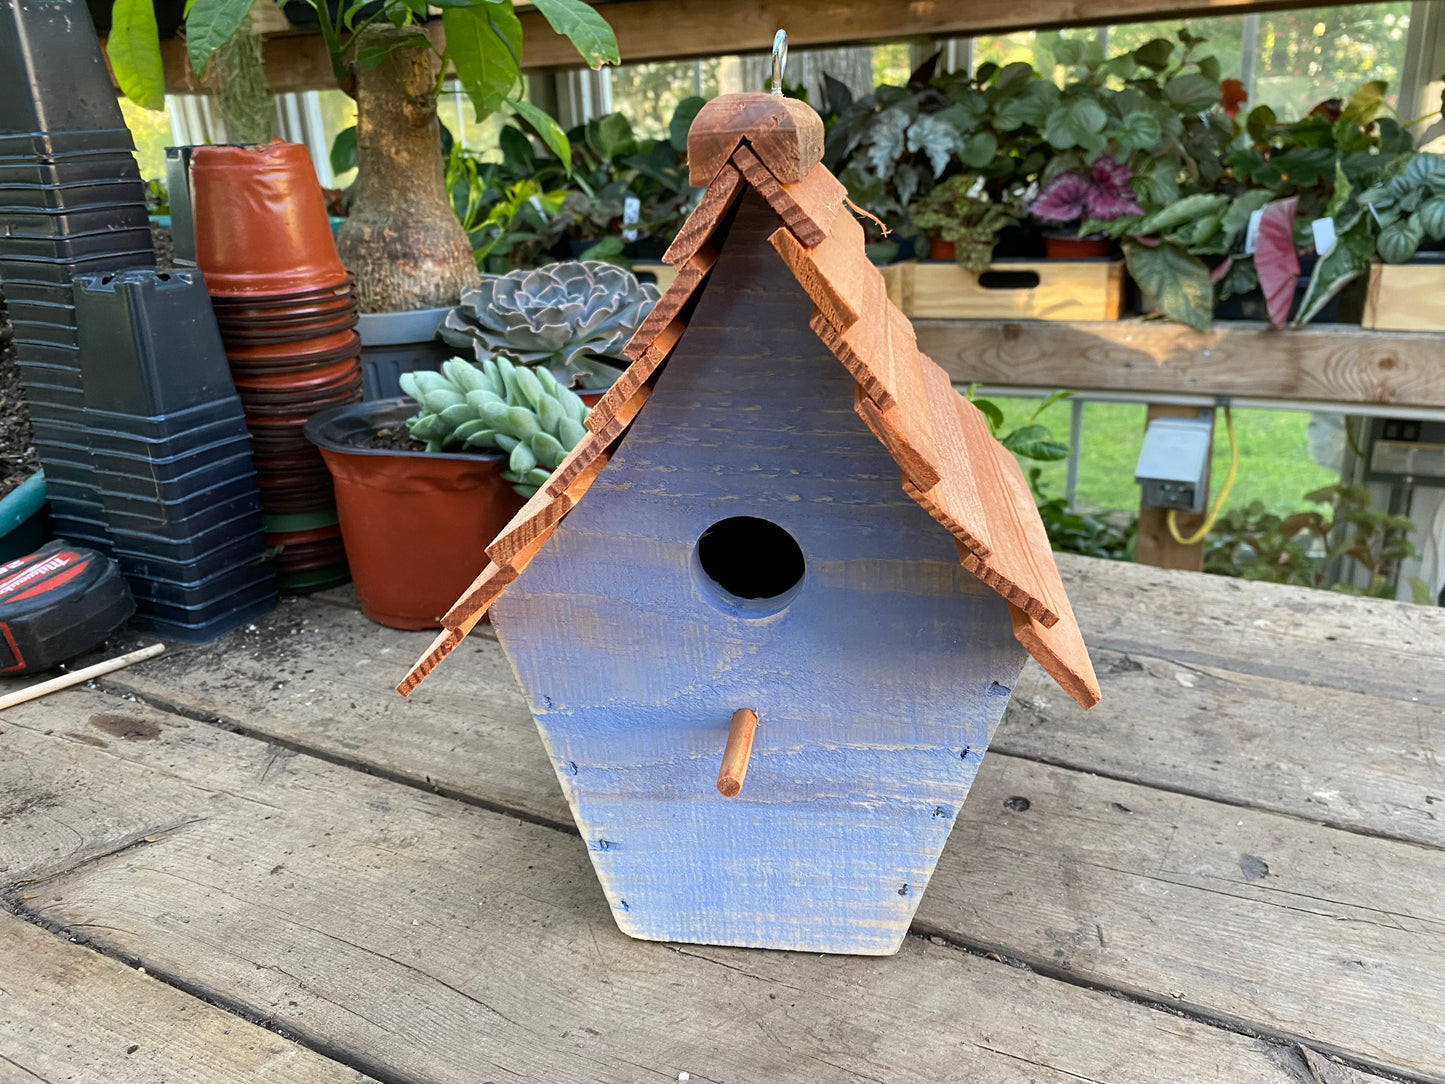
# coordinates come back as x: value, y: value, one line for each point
x: 631, y: 213
x: 1251, y: 233
x: 1325, y: 237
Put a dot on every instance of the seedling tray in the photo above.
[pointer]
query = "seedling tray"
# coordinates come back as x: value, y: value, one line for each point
x: 182, y: 443
x: 48, y: 312
x: 149, y: 489
x: 34, y: 333
x: 185, y: 548
x: 167, y: 425
x: 73, y: 222
x: 36, y: 196
x: 206, y: 631
x: 63, y: 272
x: 149, y: 523
x: 166, y: 469
x: 206, y: 601
x: 86, y: 169
x: 79, y: 246
x: 140, y: 560
x: 52, y: 145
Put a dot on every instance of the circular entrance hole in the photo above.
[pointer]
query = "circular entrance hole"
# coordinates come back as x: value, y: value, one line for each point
x: 751, y: 561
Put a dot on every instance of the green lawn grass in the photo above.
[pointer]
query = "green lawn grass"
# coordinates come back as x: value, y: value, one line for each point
x: 1274, y: 462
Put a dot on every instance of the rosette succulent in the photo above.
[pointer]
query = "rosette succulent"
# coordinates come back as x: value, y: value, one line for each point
x: 497, y: 405
x: 572, y: 319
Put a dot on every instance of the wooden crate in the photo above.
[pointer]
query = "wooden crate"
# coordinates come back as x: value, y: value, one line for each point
x: 1061, y: 290
x: 1406, y: 297
x: 665, y: 274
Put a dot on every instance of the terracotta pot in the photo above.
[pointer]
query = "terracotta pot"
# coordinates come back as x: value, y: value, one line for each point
x: 942, y: 250
x: 1077, y: 248
x: 416, y: 524
x: 260, y: 221
x: 342, y: 343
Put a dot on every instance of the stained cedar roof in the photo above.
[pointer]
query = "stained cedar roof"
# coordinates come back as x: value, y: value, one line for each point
x: 950, y: 462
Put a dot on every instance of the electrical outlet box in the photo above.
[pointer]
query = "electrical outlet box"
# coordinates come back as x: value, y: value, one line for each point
x: 1173, y: 467
x: 1405, y: 451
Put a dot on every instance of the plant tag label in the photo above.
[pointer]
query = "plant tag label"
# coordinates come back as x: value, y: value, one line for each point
x: 631, y: 213
x: 1325, y: 237
x: 1251, y: 233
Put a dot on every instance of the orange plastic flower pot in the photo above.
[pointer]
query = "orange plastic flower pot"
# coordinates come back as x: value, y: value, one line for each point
x: 260, y: 221
x: 416, y: 524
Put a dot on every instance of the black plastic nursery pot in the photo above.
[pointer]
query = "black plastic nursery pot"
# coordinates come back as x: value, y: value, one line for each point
x: 392, y: 502
x: 393, y: 343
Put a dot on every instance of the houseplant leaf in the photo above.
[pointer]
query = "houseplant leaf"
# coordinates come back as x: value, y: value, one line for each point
x: 1400, y: 239
x: 580, y: 24
x: 1191, y: 93
x: 1177, y: 282
x: 134, y: 48
x: 1177, y: 214
x: 1076, y: 123
x: 209, y: 25
x: 1347, y: 261
x: 1140, y: 130
x: 484, y: 43
x: 1276, y: 260
x: 546, y: 127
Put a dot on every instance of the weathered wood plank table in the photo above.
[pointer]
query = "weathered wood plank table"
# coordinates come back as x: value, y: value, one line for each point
x: 255, y: 862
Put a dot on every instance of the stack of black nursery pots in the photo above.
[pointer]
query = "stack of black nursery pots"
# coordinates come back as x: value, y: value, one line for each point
x: 288, y: 314
x: 139, y: 431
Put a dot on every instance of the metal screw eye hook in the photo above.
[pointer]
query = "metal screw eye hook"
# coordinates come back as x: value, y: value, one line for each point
x: 780, y: 60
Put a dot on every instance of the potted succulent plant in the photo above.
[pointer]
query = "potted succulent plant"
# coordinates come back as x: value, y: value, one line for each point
x: 1407, y: 290
x: 572, y: 319
x: 452, y: 464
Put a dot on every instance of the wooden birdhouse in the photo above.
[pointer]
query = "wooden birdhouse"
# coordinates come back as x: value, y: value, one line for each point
x: 764, y: 670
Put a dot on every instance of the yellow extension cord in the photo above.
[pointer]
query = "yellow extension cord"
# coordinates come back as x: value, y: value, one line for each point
x: 1198, y: 536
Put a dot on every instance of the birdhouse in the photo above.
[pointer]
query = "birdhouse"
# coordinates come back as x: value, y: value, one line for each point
x: 766, y: 671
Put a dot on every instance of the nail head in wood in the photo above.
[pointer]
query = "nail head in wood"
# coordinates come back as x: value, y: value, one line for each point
x: 735, y: 756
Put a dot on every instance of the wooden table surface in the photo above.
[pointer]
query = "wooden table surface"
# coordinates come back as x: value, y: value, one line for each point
x: 254, y: 862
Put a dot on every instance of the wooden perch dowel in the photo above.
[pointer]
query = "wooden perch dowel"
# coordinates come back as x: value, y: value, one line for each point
x: 65, y: 681
x: 735, y: 757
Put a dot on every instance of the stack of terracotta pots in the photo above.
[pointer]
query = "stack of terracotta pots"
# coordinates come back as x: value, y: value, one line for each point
x: 287, y: 312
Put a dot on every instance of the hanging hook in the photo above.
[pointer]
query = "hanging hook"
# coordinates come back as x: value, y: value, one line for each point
x: 780, y: 59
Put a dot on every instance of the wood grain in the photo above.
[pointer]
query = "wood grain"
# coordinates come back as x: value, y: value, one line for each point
x: 836, y: 274
x: 783, y: 132
x: 752, y: 416
x: 1065, y: 290
x: 699, y: 226
x: 446, y: 943
x: 806, y: 207
x: 658, y: 29
x: 1320, y: 363
x: 1405, y: 297
x: 67, y: 1013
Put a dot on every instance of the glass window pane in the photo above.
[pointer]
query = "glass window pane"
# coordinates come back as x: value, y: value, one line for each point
x: 1223, y: 35
x: 1312, y: 54
x: 647, y: 94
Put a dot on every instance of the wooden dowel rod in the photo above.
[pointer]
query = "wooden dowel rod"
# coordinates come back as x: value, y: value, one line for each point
x: 64, y: 681
x: 735, y: 757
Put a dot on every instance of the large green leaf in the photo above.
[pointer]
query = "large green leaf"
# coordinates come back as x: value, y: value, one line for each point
x: 1077, y: 122
x: 343, y: 151
x: 682, y: 118
x: 550, y: 131
x: 1365, y: 103
x: 1155, y: 54
x: 1400, y: 240
x: 1140, y: 130
x: 1431, y: 216
x: 1175, y: 281
x: 1191, y: 93
x: 1347, y: 261
x: 580, y: 24
x: 1177, y: 214
x: 978, y: 150
x: 209, y: 25
x: 1036, y: 442
x: 134, y: 48
x: 484, y: 43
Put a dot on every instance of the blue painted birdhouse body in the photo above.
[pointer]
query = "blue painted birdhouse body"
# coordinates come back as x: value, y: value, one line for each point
x: 878, y: 678
x: 768, y: 611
